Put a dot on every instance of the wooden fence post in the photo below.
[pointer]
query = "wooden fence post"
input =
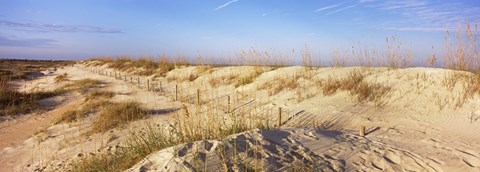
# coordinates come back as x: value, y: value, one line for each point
x: 148, y: 85
x: 131, y: 79
x: 228, y: 104
x: 198, y: 97
x: 138, y: 81
x: 279, y: 117
x: 161, y: 89
x: 362, y: 131
x: 176, y: 92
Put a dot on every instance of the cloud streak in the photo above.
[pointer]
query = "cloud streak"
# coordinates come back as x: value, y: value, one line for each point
x: 40, y: 27
x: 427, y: 15
x: 225, y: 5
x: 329, y: 7
x: 342, y: 9
x: 11, y: 42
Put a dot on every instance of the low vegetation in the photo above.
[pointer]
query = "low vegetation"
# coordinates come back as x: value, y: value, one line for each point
x: 249, y: 78
x: 83, y: 85
x: 113, y: 115
x: 93, y: 102
x: 61, y: 78
x: 13, y: 102
x: 188, y: 126
x: 356, y: 85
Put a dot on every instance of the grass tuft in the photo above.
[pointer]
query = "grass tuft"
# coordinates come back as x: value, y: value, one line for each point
x: 83, y: 85
x: 356, y: 85
x: 115, y: 114
x: 13, y: 102
x: 61, y: 78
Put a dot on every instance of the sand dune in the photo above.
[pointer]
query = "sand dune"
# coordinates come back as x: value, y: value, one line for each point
x: 422, y: 124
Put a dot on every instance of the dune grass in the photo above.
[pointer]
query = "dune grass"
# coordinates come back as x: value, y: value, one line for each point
x: 83, y: 85
x: 61, y: 78
x: 188, y: 126
x: 113, y: 115
x: 13, y: 102
x: 356, y: 85
x: 93, y: 102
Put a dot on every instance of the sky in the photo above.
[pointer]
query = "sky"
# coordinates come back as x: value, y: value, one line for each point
x: 79, y: 29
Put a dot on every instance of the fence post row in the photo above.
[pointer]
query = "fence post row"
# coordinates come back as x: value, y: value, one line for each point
x: 198, y: 98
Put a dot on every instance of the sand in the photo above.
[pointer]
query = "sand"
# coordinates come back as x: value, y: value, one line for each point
x: 419, y: 126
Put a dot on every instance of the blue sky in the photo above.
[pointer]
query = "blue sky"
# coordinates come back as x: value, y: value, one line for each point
x: 76, y: 29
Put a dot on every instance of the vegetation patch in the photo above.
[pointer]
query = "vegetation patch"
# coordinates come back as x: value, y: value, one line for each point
x: 93, y: 101
x: 13, y: 102
x: 83, y: 85
x: 61, y: 78
x: 355, y: 84
x: 187, y: 127
x: 112, y: 115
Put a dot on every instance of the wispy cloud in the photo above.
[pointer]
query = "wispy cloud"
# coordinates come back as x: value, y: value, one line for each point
x: 13, y: 42
x: 427, y: 15
x: 421, y: 29
x: 329, y: 7
x: 342, y: 9
x: 226, y: 4
x: 41, y: 27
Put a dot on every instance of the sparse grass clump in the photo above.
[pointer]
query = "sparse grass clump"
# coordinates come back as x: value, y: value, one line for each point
x: 247, y: 79
x: 137, y: 146
x: 244, y: 80
x: 93, y: 101
x: 13, y: 102
x: 356, y: 85
x: 99, y: 94
x: 61, y: 78
x: 82, y: 85
x: 164, y: 67
x: 280, y: 84
x: 188, y: 126
x: 330, y: 86
x: 114, y: 114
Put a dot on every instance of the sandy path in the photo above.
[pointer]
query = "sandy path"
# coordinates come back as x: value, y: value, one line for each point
x: 19, y: 150
x: 15, y: 131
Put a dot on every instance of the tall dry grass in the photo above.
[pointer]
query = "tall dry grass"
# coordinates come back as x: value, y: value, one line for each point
x: 357, y: 86
x: 13, y: 102
x: 461, y: 52
x: 188, y: 126
x: 113, y: 115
